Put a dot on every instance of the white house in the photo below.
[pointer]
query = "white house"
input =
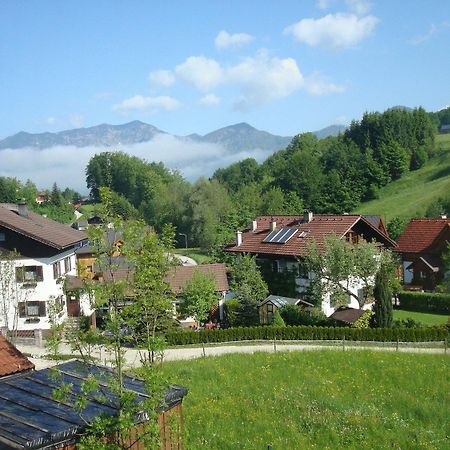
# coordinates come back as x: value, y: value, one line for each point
x: 280, y: 242
x: 36, y: 254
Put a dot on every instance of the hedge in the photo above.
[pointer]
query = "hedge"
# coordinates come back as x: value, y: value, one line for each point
x: 307, y: 333
x: 429, y: 302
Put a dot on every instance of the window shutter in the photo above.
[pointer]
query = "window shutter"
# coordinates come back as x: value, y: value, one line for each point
x: 42, y: 309
x: 39, y: 274
x: 19, y: 274
x: 22, y: 311
x: 55, y: 271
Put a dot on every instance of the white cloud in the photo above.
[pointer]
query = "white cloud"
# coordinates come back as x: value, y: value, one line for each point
x: 359, y: 7
x: 333, y: 31
x: 323, y: 4
x: 65, y: 165
x: 140, y: 103
x: 430, y: 33
x: 204, y: 73
x: 210, y: 100
x: 225, y: 40
x: 162, y: 78
x: 50, y: 120
x: 263, y: 79
x: 318, y: 84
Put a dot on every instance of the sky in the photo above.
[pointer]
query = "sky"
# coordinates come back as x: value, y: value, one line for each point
x: 192, y: 67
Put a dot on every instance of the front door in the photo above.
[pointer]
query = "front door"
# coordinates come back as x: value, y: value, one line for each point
x: 73, y: 306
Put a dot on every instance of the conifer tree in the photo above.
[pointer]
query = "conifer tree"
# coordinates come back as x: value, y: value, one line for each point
x: 383, y: 298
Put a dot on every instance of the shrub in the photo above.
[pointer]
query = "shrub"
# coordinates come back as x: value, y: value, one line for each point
x: 278, y: 320
x: 425, y: 302
x: 427, y: 334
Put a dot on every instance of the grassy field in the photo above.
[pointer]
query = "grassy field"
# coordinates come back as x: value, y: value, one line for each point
x: 425, y: 318
x: 322, y: 400
x: 411, y: 195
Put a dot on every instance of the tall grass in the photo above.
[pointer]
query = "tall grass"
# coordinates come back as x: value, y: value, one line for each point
x: 360, y: 400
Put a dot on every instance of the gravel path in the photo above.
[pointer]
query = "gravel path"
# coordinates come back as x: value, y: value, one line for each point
x: 185, y: 353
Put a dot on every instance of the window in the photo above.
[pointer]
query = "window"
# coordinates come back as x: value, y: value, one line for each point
x: 32, y: 309
x: 2, y: 237
x: 29, y: 274
x: 56, y: 270
x: 67, y: 264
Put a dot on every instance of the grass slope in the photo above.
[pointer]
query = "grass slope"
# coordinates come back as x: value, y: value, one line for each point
x: 425, y: 318
x: 326, y: 399
x: 411, y: 195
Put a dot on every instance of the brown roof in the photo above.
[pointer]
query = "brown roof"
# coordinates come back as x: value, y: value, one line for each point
x: 179, y: 276
x: 349, y: 315
x: 316, y: 230
x: 39, y: 228
x: 421, y: 235
x: 12, y: 360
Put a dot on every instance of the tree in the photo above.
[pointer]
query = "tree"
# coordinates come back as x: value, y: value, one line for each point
x: 383, y: 298
x: 135, y: 305
x: 247, y: 281
x: 396, y: 227
x: 340, y: 263
x: 278, y: 320
x: 199, y: 295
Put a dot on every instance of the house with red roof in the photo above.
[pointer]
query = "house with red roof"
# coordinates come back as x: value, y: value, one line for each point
x: 12, y: 361
x: 280, y: 242
x: 421, y: 247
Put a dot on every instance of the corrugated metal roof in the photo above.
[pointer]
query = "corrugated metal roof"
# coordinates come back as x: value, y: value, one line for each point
x: 39, y: 228
x: 30, y: 417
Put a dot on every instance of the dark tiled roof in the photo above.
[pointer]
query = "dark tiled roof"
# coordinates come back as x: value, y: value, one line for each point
x: 12, y: 360
x: 316, y: 230
x: 348, y: 315
x: 420, y: 235
x: 180, y: 275
x: 32, y: 418
x: 39, y: 228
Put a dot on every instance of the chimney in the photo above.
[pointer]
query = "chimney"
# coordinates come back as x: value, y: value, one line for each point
x: 307, y: 216
x: 273, y: 225
x: 238, y: 238
x: 254, y: 225
x: 22, y: 208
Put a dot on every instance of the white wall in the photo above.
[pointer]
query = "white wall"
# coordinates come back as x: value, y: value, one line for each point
x: 44, y: 290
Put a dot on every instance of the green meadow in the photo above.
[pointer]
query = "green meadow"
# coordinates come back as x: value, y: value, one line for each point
x: 411, y: 195
x: 424, y: 318
x: 322, y: 400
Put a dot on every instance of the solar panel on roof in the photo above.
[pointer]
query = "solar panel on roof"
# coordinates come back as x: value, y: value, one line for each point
x: 280, y: 236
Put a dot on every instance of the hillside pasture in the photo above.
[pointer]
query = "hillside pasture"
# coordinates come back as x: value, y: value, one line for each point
x: 411, y: 195
x: 324, y: 399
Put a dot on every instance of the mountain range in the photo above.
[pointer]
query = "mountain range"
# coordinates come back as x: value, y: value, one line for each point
x: 235, y: 138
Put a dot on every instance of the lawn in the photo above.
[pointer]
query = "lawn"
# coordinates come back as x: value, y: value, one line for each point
x: 425, y: 318
x: 412, y: 194
x: 324, y: 399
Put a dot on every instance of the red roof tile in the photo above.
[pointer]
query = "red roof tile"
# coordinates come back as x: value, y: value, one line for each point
x: 39, y: 228
x: 179, y: 276
x: 317, y: 230
x: 12, y: 360
x: 421, y: 235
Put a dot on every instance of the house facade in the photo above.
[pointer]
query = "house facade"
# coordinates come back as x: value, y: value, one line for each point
x: 36, y: 254
x: 280, y: 242
x: 421, y: 247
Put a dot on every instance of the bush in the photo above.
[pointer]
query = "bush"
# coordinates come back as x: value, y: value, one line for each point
x: 307, y: 333
x: 430, y: 302
x: 278, y: 320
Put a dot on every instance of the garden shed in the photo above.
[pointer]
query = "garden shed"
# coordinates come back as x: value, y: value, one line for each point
x: 271, y: 303
x: 31, y: 417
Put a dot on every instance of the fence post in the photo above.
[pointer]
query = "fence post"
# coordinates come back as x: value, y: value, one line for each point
x: 343, y: 343
x: 203, y: 348
x: 397, y: 344
x: 274, y: 343
x: 445, y: 345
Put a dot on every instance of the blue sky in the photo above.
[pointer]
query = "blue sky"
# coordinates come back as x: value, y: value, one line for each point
x: 282, y: 66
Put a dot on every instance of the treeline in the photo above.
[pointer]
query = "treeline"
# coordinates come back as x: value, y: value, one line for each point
x: 331, y: 175
x: 56, y: 204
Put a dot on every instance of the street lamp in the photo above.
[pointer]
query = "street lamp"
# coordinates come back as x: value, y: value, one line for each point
x: 185, y: 239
